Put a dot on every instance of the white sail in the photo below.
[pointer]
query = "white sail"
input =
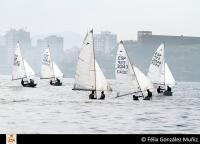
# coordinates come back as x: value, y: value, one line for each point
x: 28, y: 70
x: 101, y: 82
x: 47, y: 66
x: 49, y: 69
x: 124, y: 73
x: 85, y: 78
x: 21, y: 69
x: 169, y: 79
x: 159, y: 72
x: 57, y: 71
x: 143, y: 80
x: 156, y: 73
x: 18, y: 71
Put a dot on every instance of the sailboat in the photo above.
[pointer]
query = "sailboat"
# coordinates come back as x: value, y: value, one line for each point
x: 22, y: 70
x: 49, y: 69
x: 159, y: 72
x: 130, y: 79
x: 88, y: 75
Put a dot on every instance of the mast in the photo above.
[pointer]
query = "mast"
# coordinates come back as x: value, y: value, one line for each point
x: 23, y: 64
x: 94, y: 63
x: 133, y: 70
x: 164, y: 60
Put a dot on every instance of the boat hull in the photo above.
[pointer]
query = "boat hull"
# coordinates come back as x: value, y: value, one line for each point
x: 167, y: 93
x: 29, y: 85
x: 57, y: 84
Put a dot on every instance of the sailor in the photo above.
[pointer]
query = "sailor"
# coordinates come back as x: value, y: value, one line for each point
x: 57, y: 81
x: 169, y: 89
x: 159, y: 89
x: 149, y: 95
x: 135, y: 97
x: 51, y: 82
x: 31, y: 81
x: 22, y: 82
x: 102, y: 96
x: 91, y: 96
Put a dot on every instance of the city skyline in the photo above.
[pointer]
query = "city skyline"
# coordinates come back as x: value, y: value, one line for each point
x: 125, y: 18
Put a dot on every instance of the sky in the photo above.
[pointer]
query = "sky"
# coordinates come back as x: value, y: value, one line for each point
x: 122, y: 17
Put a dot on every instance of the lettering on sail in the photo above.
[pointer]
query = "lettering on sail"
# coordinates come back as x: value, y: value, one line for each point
x: 46, y: 59
x: 156, y: 59
x: 16, y: 61
x: 122, y: 67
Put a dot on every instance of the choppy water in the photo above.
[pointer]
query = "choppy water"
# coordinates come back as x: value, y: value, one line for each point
x: 48, y: 109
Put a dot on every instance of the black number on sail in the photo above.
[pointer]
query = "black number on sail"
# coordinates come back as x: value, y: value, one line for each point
x: 16, y: 62
x: 156, y: 59
x: 46, y: 60
x: 122, y: 67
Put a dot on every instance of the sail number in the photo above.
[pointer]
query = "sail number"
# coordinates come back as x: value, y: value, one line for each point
x: 156, y: 61
x: 122, y: 67
x: 16, y: 62
x: 46, y: 59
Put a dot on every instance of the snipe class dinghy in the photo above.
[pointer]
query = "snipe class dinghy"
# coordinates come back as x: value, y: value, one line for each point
x: 159, y: 72
x: 50, y: 70
x: 88, y: 75
x: 22, y: 70
x: 130, y: 80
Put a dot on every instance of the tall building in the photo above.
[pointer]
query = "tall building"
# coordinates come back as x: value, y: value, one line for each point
x: 105, y: 42
x: 3, y: 57
x: 56, y: 46
x: 11, y: 39
x: 2, y: 41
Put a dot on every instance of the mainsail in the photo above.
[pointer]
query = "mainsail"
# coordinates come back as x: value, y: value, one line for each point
x: 88, y: 74
x: 49, y: 68
x: 21, y: 69
x: 156, y: 73
x: 129, y: 78
x: 18, y: 71
x: 159, y: 72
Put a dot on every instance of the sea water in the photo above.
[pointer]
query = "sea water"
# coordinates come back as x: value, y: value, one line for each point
x: 49, y: 109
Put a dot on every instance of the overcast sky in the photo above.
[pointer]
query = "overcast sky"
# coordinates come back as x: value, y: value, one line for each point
x: 123, y: 17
